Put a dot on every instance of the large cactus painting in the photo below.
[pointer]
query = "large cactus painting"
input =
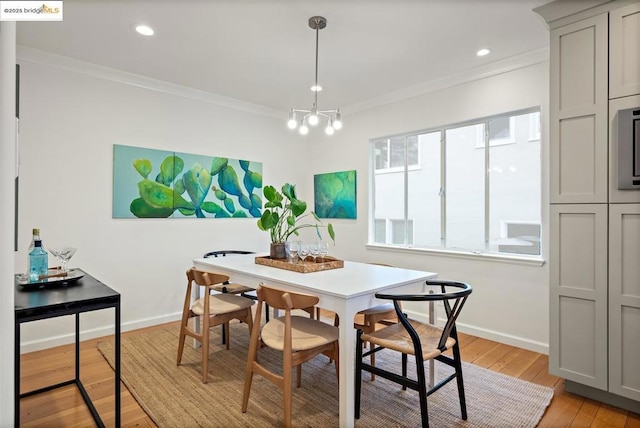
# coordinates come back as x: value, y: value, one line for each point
x: 149, y: 183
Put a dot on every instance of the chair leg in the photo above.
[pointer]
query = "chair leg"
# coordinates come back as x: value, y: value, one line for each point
x: 251, y: 360
x: 422, y: 391
x: 181, y: 342
x: 224, y: 335
x: 287, y: 386
x: 205, y: 352
x: 226, y: 329
x: 358, y: 381
x: 458, y: 366
x: 404, y: 369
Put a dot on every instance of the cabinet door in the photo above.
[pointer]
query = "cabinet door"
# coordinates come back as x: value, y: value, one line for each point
x: 578, y: 293
x: 624, y: 300
x: 624, y: 50
x: 578, y: 110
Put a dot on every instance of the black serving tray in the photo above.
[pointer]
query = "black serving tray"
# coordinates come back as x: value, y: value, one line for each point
x: 73, y: 275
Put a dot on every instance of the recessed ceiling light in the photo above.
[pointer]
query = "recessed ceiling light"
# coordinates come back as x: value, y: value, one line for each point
x: 144, y: 30
x: 483, y: 52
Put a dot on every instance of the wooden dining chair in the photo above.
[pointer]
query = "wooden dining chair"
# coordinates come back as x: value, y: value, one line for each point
x: 213, y: 310
x: 299, y: 338
x: 233, y: 287
x: 422, y: 340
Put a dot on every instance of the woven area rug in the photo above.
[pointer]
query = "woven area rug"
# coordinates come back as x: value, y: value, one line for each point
x: 176, y: 397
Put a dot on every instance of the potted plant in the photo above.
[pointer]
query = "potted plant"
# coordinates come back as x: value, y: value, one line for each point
x: 282, y: 216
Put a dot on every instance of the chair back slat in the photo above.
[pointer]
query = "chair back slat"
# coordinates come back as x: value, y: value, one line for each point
x: 276, y: 298
x: 206, y: 278
x: 452, y: 316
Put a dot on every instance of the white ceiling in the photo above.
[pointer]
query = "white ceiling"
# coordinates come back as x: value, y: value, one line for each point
x: 263, y: 51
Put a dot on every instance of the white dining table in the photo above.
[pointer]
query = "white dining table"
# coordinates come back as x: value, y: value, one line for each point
x: 344, y: 291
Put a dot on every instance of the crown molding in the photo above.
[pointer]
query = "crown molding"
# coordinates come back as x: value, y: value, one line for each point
x: 36, y: 56
x: 562, y: 12
x: 492, y: 69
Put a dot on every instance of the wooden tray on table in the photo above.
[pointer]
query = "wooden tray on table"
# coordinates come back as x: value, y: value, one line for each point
x: 306, y: 266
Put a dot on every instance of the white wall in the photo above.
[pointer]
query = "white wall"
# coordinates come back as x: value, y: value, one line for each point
x: 7, y: 176
x: 71, y: 118
x: 70, y: 122
x: 510, y: 301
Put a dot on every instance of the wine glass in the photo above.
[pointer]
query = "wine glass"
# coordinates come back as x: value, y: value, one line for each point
x: 314, y: 250
x: 323, y: 248
x: 303, y: 251
x: 294, y: 247
x: 63, y: 254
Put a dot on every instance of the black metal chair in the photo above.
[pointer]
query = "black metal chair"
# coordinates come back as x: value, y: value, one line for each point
x: 424, y: 341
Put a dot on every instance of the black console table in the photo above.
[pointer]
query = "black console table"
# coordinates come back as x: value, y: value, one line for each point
x: 60, y: 298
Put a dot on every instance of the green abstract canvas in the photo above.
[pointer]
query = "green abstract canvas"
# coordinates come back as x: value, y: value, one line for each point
x: 335, y: 194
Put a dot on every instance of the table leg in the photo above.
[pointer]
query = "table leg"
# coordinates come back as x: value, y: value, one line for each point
x: 347, y: 368
x: 78, y: 347
x: 16, y: 374
x: 117, y: 364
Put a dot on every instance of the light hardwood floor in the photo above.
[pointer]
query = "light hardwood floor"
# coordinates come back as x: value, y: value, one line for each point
x: 65, y: 407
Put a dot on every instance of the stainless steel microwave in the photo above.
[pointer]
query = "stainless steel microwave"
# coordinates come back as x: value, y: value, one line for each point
x: 629, y: 148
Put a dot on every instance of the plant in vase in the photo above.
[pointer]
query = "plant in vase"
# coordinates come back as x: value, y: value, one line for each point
x: 283, y: 215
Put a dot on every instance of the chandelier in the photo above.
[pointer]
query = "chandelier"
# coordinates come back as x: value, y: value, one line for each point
x: 302, y: 118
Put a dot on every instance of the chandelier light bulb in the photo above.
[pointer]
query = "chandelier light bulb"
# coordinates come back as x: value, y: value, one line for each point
x: 329, y: 129
x: 316, y: 88
x: 292, y: 123
x: 313, y: 119
x: 337, y: 122
x: 304, y: 129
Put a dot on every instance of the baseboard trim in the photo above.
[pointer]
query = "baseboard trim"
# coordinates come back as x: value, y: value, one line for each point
x: 65, y: 339
x: 507, y: 339
x: 602, y: 396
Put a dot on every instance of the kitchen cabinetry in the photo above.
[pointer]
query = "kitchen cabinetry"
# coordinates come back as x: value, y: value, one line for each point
x: 624, y: 300
x: 578, y: 293
x: 624, y: 61
x: 594, y: 254
x: 578, y: 162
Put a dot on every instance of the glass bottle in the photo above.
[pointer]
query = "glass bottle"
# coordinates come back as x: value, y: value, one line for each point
x: 34, y: 238
x: 38, y: 262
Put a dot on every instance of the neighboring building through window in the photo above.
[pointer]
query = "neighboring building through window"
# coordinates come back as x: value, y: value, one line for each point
x: 442, y: 188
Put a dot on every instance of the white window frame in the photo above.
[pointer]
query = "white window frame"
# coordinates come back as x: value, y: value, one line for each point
x: 518, y: 258
x: 534, y: 126
x: 412, y: 167
x: 511, y: 139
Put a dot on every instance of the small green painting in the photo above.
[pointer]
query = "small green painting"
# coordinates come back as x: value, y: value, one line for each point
x: 335, y: 194
x: 150, y: 183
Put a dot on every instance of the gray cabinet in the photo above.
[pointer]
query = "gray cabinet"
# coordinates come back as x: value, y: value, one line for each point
x: 594, y: 253
x: 624, y: 60
x: 624, y: 300
x: 578, y: 293
x: 578, y: 108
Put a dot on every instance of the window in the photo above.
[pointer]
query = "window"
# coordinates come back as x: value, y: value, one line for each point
x: 392, y: 231
x: 390, y: 153
x: 474, y: 186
